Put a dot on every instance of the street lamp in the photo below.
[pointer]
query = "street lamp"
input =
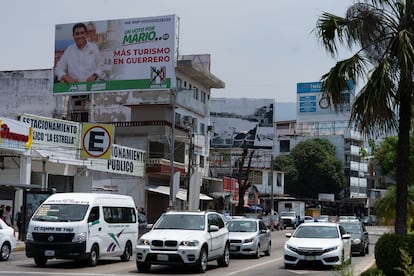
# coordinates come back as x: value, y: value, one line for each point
x: 231, y: 170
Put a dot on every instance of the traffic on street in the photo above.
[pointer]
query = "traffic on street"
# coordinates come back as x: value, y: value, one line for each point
x: 240, y: 265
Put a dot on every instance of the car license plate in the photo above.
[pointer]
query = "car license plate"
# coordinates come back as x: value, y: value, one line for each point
x: 233, y: 248
x: 49, y: 253
x: 309, y: 258
x: 162, y: 257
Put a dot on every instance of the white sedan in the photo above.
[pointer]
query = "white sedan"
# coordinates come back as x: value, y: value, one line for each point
x: 318, y: 243
x: 7, y: 241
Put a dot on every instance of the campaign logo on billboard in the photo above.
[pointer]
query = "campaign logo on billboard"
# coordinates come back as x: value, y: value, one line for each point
x: 115, y: 55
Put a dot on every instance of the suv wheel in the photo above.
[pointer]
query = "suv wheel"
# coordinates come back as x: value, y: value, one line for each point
x: 143, y: 267
x: 202, y: 261
x: 225, y: 258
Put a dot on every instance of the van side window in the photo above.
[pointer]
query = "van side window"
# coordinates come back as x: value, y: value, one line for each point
x: 119, y: 215
x: 94, y: 214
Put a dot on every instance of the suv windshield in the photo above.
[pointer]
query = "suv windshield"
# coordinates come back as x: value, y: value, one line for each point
x: 60, y: 212
x: 181, y: 221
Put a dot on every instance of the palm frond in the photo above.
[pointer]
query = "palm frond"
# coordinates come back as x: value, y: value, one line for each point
x: 336, y: 80
x: 373, y: 109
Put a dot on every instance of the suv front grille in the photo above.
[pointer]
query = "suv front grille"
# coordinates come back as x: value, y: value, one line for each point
x: 164, y: 244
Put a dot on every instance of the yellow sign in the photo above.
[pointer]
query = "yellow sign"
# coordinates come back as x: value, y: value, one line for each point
x: 97, y: 140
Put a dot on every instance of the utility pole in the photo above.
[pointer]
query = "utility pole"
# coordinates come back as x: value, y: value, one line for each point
x: 272, y: 208
x: 172, y: 148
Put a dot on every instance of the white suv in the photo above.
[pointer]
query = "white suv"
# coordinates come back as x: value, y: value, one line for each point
x: 185, y: 238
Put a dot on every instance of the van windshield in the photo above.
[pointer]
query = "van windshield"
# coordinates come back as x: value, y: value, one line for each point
x: 60, y: 212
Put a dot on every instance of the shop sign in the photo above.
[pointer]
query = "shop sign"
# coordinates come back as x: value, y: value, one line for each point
x: 14, y: 135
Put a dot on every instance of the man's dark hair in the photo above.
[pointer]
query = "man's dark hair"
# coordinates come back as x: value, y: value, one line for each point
x: 78, y: 25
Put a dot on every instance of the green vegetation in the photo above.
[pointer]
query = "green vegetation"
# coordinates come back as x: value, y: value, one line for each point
x: 381, y: 34
x: 311, y: 168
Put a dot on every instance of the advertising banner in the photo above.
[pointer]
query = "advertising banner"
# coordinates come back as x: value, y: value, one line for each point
x: 14, y: 134
x: 52, y: 132
x: 312, y: 102
x: 123, y: 160
x: 115, y: 55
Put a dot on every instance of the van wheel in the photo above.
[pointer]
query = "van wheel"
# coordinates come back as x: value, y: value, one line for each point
x: 93, y: 256
x: 5, y: 251
x: 127, y: 252
x: 40, y: 261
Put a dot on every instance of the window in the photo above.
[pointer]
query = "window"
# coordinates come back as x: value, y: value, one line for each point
x: 279, y: 179
x: 94, y: 214
x: 119, y: 215
x: 202, y: 129
x: 284, y: 146
x: 201, y: 161
x: 203, y: 97
x: 195, y: 93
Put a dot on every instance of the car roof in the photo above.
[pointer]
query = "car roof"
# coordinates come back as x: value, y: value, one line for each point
x: 245, y: 219
x: 318, y: 224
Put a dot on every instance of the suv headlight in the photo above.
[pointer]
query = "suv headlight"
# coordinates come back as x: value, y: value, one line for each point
x: 80, y: 237
x: 143, y: 242
x: 190, y: 243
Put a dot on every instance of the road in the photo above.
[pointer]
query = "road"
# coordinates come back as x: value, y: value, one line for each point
x: 19, y: 264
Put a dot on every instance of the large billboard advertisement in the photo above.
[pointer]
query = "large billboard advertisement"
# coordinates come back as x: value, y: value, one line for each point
x: 115, y: 55
x: 310, y: 100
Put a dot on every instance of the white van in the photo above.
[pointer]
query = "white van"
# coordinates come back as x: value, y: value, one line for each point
x: 82, y: 226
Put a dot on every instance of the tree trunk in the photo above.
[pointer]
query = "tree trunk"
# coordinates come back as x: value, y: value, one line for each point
x: 403, y: 149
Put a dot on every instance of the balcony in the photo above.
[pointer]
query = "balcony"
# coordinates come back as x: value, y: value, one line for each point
x: 163, y: 166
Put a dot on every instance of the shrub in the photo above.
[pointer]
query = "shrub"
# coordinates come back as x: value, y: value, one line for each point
x: 387, y: 252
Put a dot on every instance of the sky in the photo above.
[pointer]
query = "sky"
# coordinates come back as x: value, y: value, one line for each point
x: 260, y: 49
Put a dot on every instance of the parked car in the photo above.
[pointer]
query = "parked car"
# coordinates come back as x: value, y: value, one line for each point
x: 368, y: 220
x: 323, y: 218
x: 185, y: 238
x: 273, y: 222
x: 143, y: 225
x: 7, y: 241
x: 249, y: 236
x: 325, y: 243
x: 359, y: 236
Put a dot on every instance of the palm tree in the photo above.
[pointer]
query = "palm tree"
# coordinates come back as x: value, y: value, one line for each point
x: 381, y: 32
x: 385, y: 205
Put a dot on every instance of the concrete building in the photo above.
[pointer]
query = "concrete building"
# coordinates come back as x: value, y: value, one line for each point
x: 143, y: 120
x: 241, y: 124
x: 316, y: 118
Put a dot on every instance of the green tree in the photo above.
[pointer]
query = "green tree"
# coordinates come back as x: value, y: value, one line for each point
x: 382, y: 34
x: 386, y: 156
x: 311, y: 168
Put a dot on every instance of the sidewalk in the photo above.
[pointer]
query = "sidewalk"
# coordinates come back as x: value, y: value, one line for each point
x: 20, y: 246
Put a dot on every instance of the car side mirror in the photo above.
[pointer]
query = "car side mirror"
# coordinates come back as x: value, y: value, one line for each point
x: 288, y: 235
x: 346, y: 237
x: 213, y: 228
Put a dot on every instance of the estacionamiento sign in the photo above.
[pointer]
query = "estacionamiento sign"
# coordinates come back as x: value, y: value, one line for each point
x: 134, y: 54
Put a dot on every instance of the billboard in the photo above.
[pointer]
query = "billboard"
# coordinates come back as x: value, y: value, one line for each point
x: 310, y: 100
x: 115, y: 55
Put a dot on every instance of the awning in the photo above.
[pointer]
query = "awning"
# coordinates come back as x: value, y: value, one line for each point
x: 67, y: 156
x: 181, y: 194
